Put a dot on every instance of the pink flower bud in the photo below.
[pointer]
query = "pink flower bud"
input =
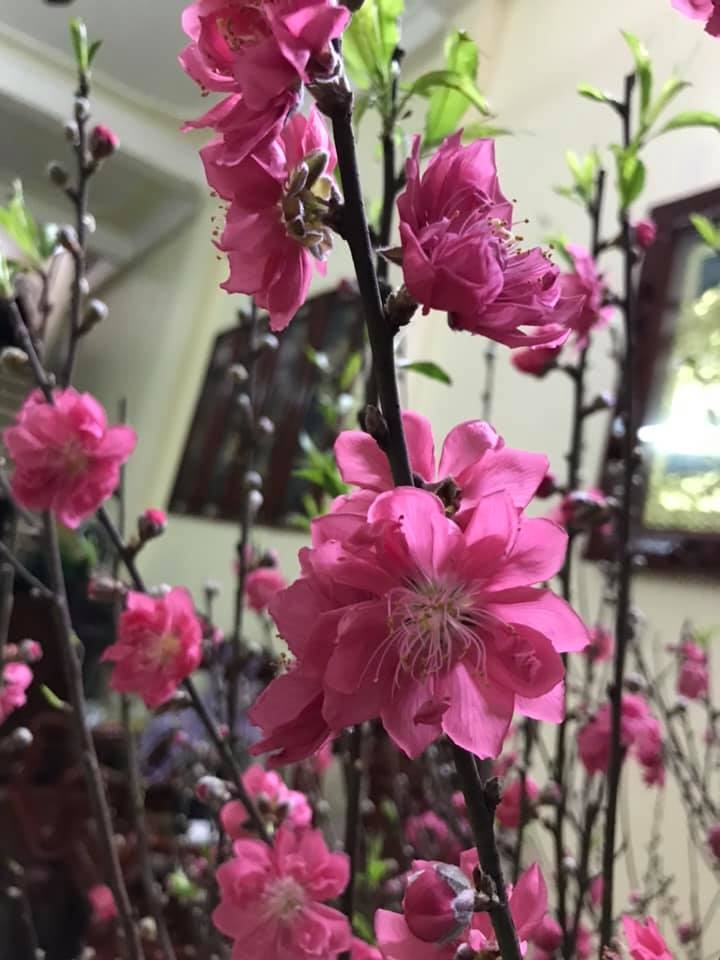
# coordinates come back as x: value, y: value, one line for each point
x: 151, y: 523
x: 713, y: 840
x: 687, y: 932
x: 693, y: 680
x: 548, y: 486
x: 645, y: 232
x: 212, y: 790
x: 601, y: 646
x: 103, y: 142
x: 537, y: 361
x: 596, y: 890
x: 438, y: 903
x: 548, y: 935
x: 30, y: 651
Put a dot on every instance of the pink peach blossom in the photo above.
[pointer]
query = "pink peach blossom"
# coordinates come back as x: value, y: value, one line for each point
x: 597, y: 885
x: 581, y: 510
x: 159, y: 643
x: 509, y: 809
x: 274, y: 230
x: 434, y: 629
x: 548, y: 936
x: 460, y: 253
x: 364, y: 951
x: 601, y: 646
x: 473, y: 455
x: 14, y: 681
x: 273, y: 899
x: 66, y: 459
x: 528, y: 906
x: 708, y: 10
x: 537, y: 361
x: 274, y: 799
x: 102, y: 903
x: 428, y: 833
x: 261, y: 585
x: 586, y: 283
x: 644, y: 941
x: 639, y: 732
x: 693, y: 677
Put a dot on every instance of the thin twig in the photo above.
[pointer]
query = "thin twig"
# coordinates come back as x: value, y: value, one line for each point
x: 354, y: 781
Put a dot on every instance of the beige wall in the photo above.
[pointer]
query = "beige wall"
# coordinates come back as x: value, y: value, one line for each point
x: 165, y: 312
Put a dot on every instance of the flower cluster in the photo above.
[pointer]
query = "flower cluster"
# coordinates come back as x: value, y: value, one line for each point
x: 422, y: 613
x: 270, y: 164
x: 275, y: 802
x: 639, y: 732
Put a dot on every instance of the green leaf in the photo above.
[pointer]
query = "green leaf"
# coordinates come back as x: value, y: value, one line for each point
x: 583, y: 171
x: 79, y: 38
x: 692, y: 118
x: 351, y: 370
x: 53, y: 700
x: 450, y: 80
x: 426, y: 368
x: 92, y: 52
x: 630, y: 175
x: 362, y: 928
x: 670, y: 89
x: 483, y: 131
x: 6, y: 287
x: 707, y: 230
x: 447, y: 106
x: 594, y: 93
x: 643, y: 70
x: 370, y: 41
x: 17, y: 221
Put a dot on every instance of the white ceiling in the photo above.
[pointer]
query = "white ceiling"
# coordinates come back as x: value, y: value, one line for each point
x: 141, y: 39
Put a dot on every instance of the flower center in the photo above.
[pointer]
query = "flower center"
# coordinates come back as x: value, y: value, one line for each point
x: 243, y: 27
x: 433, y: 626
x: 165, y: 649
x: 74, y: 459
x: 305, y: 204
x: 285, y: 898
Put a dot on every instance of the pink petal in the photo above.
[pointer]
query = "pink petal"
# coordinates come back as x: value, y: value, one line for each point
x: 529, y: 902
x: 550, y: 707
x: 420, y: 444
x: 537, y: 555
x: 361, y: 461
x: 542, y: 611
x: 479, y: 714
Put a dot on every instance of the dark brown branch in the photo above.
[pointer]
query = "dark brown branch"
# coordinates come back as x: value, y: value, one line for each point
x: 354, y: 781
x: 623, y: 627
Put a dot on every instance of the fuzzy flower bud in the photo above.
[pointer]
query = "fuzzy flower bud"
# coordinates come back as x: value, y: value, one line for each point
x: 645, y: 232
x: 438, y: 903
x: 151, y: 524
x: 713, y: 840
x: 103, y: 142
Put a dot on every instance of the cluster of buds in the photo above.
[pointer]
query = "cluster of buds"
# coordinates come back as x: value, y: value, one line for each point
x: 27, y: 651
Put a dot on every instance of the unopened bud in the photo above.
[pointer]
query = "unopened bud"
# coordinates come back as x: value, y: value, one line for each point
x: 103, y: 589
x: 148, y: 929
x: 253, y: 480
x: 58, y: 175
x: 67, y: 238
x: 20, y: 739
x: 238, y: 374
x: 255, y: 501
x: 103, y: 142
x: 212, y: 790
x: 30, y: 651
x: 267, y: 342
x: 72, y: 134
x: 211, y: 588
x: 82, y: 108
x: 316, y: 163
x: 13, y: 360
x: 90, y: 223
x: 151, y: 524
x: 95, y: 312
x: 265, y: 426
x: 374, y: 423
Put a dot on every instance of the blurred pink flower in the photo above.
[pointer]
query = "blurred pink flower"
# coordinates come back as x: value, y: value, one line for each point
x: 602, y: 644
x: 473, y: 455
x: 548, y: 936
x: 14, y: 681
x: 261, y: 585
x: 461, y: 255
x: 102, y: 903
x: 159, y: 643
x: 275, y: 800
x: 639, y: 732
x: 528, y: 906
x: 597, y: 885
x: 644, y: 941
x: 322, y: 758
x: 275, y: 228
x: 707, y: 10
x: 713, y: 839
x: 273, y: 899
x: 434, y: 629
x: 581, y: 510
x: 66, y: 459
x: 509, y: 809
x: 693, y: 677
x: 586, y: 283
x: 431, y: 836
x: 537, y: 361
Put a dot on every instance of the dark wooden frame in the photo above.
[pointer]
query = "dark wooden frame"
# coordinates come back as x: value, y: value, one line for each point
x: 668, y: 549
x: 215, y: 414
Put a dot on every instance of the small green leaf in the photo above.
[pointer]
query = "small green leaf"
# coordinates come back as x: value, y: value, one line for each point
x: 426, y: 368
x: 447, y: 107
x: 362, y: 928
x: 53, y: 700
x: 6, y: 287
x: 594, y: 93
x: 351, y: 370
x: 93, y: 50
x: 670, y: 89
x: 370, y: 41
x: 692, y: 118
x: 643, y: 70
x: 707, y: 230
x: 79, y: 38
x: 451, y: 80
x: 483, y: 131
x: 630, y: 175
